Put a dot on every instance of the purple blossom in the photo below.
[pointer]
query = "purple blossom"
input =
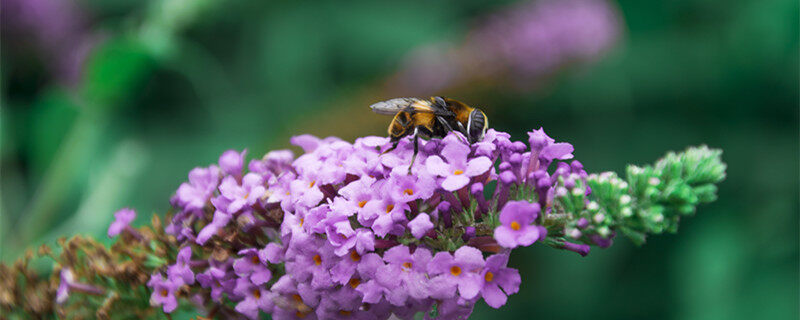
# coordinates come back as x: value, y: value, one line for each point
x: 355, y: 196
x: 459, y: 270
x: 492, y: 142
x: 67, y: 284
x: 313, y: 262
x: 305, y: 192
x: 231, y: 162
x: 255, y: 298
x: 181, y: 269
x: 381, y: 215
x: 218, y: 279
x: 194, y: 195
x: 407, y: 269
x: 341, y: 234
x: 420, y: 225
x: 219, y: 221
x: 544, y: 150
x: 515, y: 224
x: 62, y: 293
x: 246, y: 194
x: 164, y: 291
x: 409, y: 187
x: 345, y: 269
x: 458, y: 169
x: 272, y: 253
x: 122, y: 221
x: 252, y: 267
x: 495, y: 276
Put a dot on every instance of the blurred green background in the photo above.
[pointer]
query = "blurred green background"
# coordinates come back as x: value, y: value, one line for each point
x: 107, y: 104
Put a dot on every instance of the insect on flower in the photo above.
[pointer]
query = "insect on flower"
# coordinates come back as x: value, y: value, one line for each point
x: 432, y: 118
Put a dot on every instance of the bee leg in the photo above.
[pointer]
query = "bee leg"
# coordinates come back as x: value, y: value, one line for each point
x: 394, y: 146
x: 416, y: 149
x: 450, y: 128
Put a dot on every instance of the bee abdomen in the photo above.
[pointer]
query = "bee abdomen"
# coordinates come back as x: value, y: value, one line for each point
x: 400, y: 124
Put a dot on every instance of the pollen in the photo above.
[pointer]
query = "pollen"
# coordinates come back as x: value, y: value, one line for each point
x: 355, y: 256
x: 361, y: 204
x: 301, y: 221
x: 389, y: 208
x: 407, y: 265
x: 313, y: 182
x: 489, y: 276
x: 344, y: 312
x: 355, y: 282
x: 257, y: 293
x: 164, y: 292
x: 458, y: 172
x: 515, y: 225
x: 455, y: 270
x: 317, y: 259
x: 297, y: 298
x: 255, y: 260
x: 409, y: 192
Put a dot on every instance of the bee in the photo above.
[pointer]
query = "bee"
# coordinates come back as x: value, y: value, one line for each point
x: 432, y: 118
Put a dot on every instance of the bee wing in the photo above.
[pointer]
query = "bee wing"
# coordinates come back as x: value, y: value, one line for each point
x: 393, y: 106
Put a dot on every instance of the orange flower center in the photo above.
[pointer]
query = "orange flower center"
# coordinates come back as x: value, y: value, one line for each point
x: 409, y: 192
x: 515, y: 225
x: 355, y: 256
x: 458, y: 172
x: 407, y: 265
x: 361, y: 204
x: 344, y: 312
x: 389, y: 208
x: 354, y: 282
x: 311, y: 185
x: 455, y: 270
x: 257, y: 293
x: 297, y: 298
x: 317, y: 259
x: 164, y: 292
x: 300, y: 315
x: 489, y: 276
x: 301, y: 221
x: 255, y: 260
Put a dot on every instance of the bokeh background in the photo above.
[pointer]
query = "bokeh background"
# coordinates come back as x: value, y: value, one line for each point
x: 109, y: 103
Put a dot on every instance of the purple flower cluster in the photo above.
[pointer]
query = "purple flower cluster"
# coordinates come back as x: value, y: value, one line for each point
x: 534, y: 38
x: 345, y: 231
x: 525, y: 42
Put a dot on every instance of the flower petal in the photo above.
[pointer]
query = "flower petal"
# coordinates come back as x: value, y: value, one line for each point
x: 527, y: 235
x: 493, y: 296
x: 478, y: 166
x: 437, y: 166
x: 453, y: 183
x: 505, y: 237
x: 469, y: 258
x: 470, y: 285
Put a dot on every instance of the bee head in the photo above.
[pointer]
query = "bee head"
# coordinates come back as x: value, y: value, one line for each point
x: 477, y: 125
